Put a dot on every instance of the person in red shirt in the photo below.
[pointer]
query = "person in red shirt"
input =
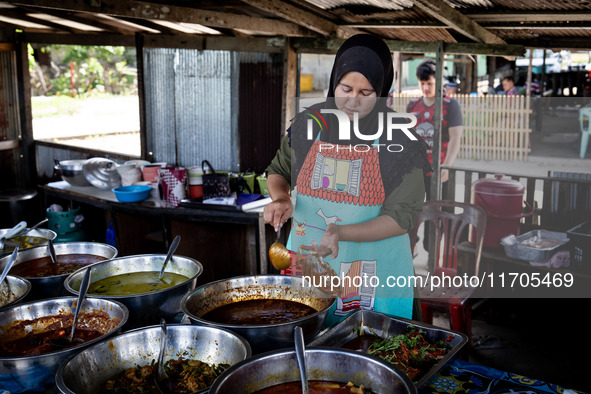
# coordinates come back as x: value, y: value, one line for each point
x: 452, y: 124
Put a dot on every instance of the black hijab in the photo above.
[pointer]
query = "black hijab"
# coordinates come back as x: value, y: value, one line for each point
x: 370, y: 56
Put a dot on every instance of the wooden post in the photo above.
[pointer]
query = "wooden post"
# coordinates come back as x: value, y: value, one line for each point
x: 28, y: 158
x: 491, y: 68
x: 474, y: 74
x: 469, y: 69
x: 435, y: 176
x: 437, y: 118
x: 290, y: 84
x: 397, y: 63
x: 529, y: 70
x: 139, y: 50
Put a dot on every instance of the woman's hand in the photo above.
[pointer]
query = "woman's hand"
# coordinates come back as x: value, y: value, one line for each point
x: 278, y: 212
x: 329, y: 243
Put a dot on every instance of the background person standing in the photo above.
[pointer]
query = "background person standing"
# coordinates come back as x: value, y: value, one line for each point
x: 452, y: 124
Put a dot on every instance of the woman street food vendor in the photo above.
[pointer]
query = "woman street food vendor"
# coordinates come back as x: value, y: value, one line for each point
x: 358, y: 191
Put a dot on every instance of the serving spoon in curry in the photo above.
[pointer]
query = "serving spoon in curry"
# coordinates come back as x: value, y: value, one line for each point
x: 63, y: 341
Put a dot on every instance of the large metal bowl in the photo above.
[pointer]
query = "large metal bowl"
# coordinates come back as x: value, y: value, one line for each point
x: 37, y: 373
x: 88, y: 371
x: 261, y: 337
x: 322, y: 363
x: 53, y: 286
x: 147, y: 308
x: 37, y: 232
x: 72, y: 171
x: 14, y: 287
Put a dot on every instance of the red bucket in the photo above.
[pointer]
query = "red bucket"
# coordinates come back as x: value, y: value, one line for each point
x: 502, y: 199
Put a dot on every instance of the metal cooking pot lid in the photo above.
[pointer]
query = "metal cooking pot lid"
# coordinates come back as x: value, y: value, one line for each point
x: 101, y: 173
x: 499, y: 185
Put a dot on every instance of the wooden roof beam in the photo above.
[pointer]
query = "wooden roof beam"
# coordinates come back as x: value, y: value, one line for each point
x: 457, y: 21
x: 83, y: 18
x: 302, y: 18
x: 526, y: 16
x: 331, y: 45
x: 40, y: 21
x: 144, y: 10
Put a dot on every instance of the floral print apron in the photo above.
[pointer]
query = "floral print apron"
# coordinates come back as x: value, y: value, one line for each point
x: 343, y: 185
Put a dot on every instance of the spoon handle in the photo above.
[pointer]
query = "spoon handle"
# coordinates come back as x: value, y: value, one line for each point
x: 51, y: 250
x: 163, y: 338
x: 83, y: 289
x: 9, y: 264
x: 171, y: 250
x: 301, y: 355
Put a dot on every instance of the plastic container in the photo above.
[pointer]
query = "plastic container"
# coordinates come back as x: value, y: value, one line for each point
x: 580, y: 246
x: 537, y: 245
x: 502, y: 200
x: 63, y: 222
x: 262, y: 181
x: 133, y: 193
x: 196, y: 191
x: 150, y: 171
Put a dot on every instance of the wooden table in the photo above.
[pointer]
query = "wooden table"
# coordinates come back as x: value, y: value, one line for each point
x: 518, y: 277
x: 227, y: 243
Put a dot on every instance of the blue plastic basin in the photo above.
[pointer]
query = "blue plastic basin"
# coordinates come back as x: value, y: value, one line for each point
x: 133, y: 193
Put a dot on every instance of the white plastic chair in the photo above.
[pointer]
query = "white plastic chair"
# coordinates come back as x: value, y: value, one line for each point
x: 584, y: 112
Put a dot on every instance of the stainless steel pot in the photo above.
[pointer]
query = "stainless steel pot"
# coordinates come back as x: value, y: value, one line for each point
x: 38, y: 232
x: 53, y: 286
x: 15, y: 288
x: 37, y: 373
x: 261, y: 337
x: 88, y: 371
x: 72, y: 172
x: 328, y: 364
x: 147, y: 308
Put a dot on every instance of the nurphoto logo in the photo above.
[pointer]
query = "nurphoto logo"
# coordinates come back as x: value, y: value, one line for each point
x: 405, y: 122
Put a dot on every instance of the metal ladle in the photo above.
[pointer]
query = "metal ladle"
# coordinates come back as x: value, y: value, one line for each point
x: 171, y: 250
x: 67, y: 341
x: 51, y: 251
x: 301, y: 355
x: 160, y: 374
x: 279, y: 255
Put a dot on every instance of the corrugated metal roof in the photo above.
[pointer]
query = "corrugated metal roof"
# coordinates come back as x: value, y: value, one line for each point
x: 310, y: 18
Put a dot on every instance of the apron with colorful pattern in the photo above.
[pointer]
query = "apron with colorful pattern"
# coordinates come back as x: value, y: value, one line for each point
x: 343, y: 185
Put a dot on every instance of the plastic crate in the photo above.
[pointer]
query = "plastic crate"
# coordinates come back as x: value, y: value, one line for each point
x: 580, y: 246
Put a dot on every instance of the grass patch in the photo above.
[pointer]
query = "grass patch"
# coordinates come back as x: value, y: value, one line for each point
x: 46, y: 106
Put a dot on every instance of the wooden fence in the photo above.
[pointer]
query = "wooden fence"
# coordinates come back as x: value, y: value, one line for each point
x: 495, y: 127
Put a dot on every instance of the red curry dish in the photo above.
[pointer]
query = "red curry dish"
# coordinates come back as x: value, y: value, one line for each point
x: 24, y: 338
x: 259, y: 312
x: 43, y: 266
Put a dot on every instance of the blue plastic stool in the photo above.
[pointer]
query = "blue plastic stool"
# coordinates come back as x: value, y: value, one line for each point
x: 584, y: 112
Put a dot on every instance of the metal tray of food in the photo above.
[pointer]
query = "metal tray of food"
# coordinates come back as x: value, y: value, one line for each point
x: 384, y: 326
x: 537, y: 245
